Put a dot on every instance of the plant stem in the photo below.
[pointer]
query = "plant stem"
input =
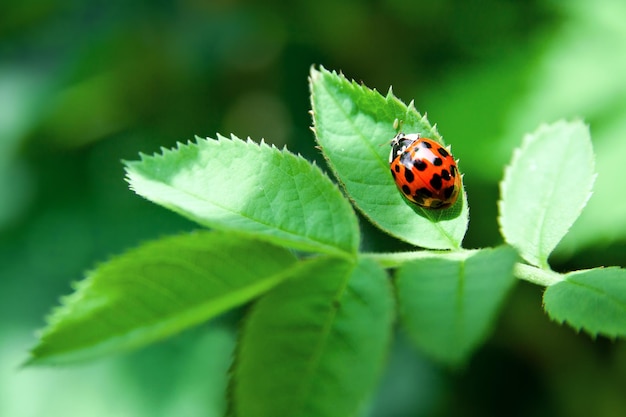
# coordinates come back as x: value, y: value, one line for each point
x: 532, y: 274
x: 537, y: 276
x: 394, y: 260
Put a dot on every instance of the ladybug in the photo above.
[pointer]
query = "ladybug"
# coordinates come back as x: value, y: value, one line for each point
x: 424, y: 171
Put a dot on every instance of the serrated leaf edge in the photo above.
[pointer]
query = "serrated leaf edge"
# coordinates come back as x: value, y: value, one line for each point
x: 529, y: 139
x: 576, y: 327
x: 410, y: 108
x: 64, y: 308
x: 199, y: 142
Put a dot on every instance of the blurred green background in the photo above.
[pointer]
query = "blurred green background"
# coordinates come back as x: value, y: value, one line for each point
x: 84, y: 85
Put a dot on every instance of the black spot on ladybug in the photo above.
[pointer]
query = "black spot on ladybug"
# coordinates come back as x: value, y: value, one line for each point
x: 420, y: 165
x: 423, y: 193
x: 445, y: 174
x: 435, y: 182
x: 453, y: 171
x: 408, y: 175
x: 397, y: 168
x: 424, y: 144
x: 437, y: 162
x: 406, y: 190
x: 448, y: 191
x: 443, y: 152
x: 418, y: 199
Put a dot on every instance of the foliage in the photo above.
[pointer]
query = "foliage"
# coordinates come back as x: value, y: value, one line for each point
x: 316, y: 343
x: 545, y: 188
x: 351, y: 124
x: 317, y: 334
x: 447, y: 303
x: 159, y: 289
x: 254, y: 189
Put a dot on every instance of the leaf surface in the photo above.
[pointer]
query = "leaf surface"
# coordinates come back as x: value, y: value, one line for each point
x: 593, y: 300
x: 448, y: 305
x: 354, y: 126
x: 230, y: 184
x: 157, y: 290
x: 314, y: 345
x: 545, y: 188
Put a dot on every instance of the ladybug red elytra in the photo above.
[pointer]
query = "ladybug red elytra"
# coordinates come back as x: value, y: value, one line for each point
x: 424, y: 171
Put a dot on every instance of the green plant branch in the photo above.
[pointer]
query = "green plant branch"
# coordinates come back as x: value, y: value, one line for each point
x: 532, y: 274
x: 537, y: 276
x: 396, y: 259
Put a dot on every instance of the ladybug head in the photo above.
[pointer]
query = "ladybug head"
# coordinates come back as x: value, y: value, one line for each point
x: 400, y: 142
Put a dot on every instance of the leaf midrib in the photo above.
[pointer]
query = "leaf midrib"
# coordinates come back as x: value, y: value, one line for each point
x: 540, y: 235
x: 323, y: 341
x: 598, y: 291
x: 184, y: 318
x: 460, y: 303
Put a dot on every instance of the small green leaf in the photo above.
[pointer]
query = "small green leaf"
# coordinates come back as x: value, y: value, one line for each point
x: 545, y: 188
x: 354, y: 126
x: 159, y: 289
x: 448, y: 305
x: 603, y: 221
x: 255, y: 189
x: 593, y: 300
x: 314, y: 345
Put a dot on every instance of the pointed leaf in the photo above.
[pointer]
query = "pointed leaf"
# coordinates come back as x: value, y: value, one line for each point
x: 545, y: 188
x: 246, y: 187
x: 449, y: 304
x: 159, y: 289
x: 314, y: 345
x: 593, y: 300
x: 354, y: 126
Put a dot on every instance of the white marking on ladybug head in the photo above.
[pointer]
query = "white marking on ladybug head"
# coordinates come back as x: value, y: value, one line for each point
x: 412, y: 136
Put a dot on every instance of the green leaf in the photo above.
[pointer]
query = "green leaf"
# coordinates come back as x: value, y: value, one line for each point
x: 314, y: 345
x: 449, y: 304
x: 545, y: 188
x: 159, y: 289
x: 603, y: 220
x: 250, y: 188
x: 593, y: 300
x: 354, y: 126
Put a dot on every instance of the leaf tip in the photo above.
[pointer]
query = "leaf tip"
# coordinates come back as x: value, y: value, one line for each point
x: 314, y: 73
